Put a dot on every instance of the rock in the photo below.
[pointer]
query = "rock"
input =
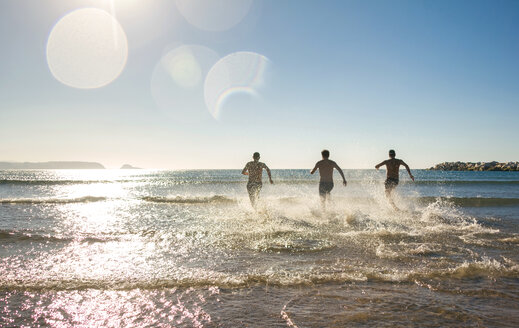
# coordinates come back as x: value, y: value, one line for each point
x: 479, y: 166
x: 129, y: 167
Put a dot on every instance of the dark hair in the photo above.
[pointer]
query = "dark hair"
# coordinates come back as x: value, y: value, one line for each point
x: 392, y: 153
x: 325, y: 153
x: 256, y: 155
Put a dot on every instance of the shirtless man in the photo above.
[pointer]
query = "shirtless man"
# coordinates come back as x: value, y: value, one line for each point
x: 393, y: 164
x: 254, y: 170
x: 326, y: 167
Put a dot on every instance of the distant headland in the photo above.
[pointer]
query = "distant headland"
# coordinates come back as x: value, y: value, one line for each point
x: 50, y: 165
x: 479, y: 166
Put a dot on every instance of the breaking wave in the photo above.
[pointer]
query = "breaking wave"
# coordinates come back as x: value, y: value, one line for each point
x: 472, y: 201
x: 281, y: 180
x: 484, y: 268
x: 12, y: 236
x: 190, y: 200
x: 85, y: 199
x: 55, y: 182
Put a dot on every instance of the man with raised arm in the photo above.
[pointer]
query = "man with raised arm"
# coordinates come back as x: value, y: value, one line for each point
x: 254, y: 170
x: 393, y: 165
x: 326, y: 167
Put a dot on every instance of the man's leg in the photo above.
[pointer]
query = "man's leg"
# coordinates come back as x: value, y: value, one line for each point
x: 322, y: 195
x: 324, y: 192
x: 390, y: 185
x: 323, y: 200
x: 251, y: 194
x: 253, y: 189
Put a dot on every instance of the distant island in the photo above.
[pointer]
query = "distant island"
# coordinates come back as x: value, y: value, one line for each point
x: 129, y: 167
x: 479, y: 166
x: 50, y: 165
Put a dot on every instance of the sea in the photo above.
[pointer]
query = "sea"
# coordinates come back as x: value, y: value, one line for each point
x: 155, y: 248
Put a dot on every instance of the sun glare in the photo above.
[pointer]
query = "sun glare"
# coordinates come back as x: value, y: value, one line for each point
x: 87, y: 49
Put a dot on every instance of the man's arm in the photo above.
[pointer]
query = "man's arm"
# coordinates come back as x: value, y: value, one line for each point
x: 344, y: 182
x: 379, y: 165
x: 408, y: 170
x: 245, y: 170
x: 268, y: 173
x: 315, y: 168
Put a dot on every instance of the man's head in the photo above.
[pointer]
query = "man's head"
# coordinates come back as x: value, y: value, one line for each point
x: 325, y: 154
x: 392, y: 153
x: 256, y: 156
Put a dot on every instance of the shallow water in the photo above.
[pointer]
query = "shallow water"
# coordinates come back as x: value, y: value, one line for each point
x: 184, y: 248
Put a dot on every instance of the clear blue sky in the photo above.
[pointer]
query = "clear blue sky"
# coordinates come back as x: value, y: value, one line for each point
x: 435, y: 80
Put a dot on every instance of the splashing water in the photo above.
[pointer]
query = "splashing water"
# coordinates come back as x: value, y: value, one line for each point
x: 181, y: 248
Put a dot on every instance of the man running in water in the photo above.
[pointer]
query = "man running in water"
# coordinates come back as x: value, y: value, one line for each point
x: 393, y: 164
x: 326, y: 167
x: 254, y: 170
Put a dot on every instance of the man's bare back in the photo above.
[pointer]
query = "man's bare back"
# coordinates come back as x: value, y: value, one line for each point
x: 325, y: 167
x: 393, y: 167
x: 255, y: 170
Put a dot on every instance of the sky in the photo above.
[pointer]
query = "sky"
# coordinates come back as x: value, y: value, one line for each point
x: 198, y: 84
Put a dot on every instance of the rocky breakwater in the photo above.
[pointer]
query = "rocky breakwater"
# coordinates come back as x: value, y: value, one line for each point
x: 479, y: 166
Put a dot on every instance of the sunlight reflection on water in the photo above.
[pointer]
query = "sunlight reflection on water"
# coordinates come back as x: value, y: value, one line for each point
x: 153, y: 244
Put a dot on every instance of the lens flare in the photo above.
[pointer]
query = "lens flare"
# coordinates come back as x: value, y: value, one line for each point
x: 210, y: 15
x: 87, y: 49
x: 176, y: 82
x: 183, y: 67
x: 237, y: 72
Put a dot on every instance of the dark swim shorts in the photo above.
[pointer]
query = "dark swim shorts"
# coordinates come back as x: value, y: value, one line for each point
x: 254, y: 188
x: 391, y: 183
x: 325, y: 188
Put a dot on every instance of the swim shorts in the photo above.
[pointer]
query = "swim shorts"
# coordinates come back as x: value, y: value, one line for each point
x: 391, y: 183
x: 254, y: 188
x: 325, y: 188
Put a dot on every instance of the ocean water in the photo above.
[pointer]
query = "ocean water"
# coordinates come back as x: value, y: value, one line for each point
x: 121, y: 248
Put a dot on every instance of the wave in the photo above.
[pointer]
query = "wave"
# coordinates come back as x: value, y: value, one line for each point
x: 14, y: 236
x: 472, y: 270
x: 55, y: 182
x: 457, y: 201
x: 233, y: 180
x: 303, y: 181
x: 464, y: 182
x: 426, y: 200
x: 221, y: 199
x: 32, y: 236
x: 472, y: 201
x: 190, y: 200
x: 486, y: 268
x: 85, y: 199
